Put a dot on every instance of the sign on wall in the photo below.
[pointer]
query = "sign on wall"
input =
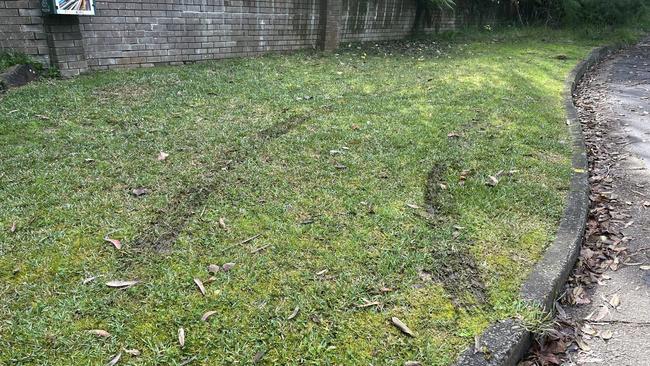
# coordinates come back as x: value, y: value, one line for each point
x: 69, y: 7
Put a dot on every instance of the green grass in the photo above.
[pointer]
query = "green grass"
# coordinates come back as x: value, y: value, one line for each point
x: 246, y: 145
x: 8, y: 59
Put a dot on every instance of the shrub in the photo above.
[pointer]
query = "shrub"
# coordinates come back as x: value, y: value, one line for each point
x: 8, y: 59
x: 603, y: 12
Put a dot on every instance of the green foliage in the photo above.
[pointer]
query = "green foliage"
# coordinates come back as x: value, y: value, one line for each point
x: 607, y: 12
x: 561, y: 12
x: 8, y: 59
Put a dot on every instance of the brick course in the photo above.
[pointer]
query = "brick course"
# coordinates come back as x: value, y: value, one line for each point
x: 132, y: 33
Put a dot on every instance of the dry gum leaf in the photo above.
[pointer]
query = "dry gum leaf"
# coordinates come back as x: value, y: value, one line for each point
x: 258, y: 356
x: 99, y: 332
x: 207, y: 315
x: 114, y: 360
x: 294, y: 313
x: 139, y: 192
x: 181, y: 336
x: 133, y: 352
x: 121, y: 284
x: 401, y: 326
x: 116, y: 243
x: 213, y: 268
x: 606, y: 334
x: 162, y: 156
x: 199, y: 284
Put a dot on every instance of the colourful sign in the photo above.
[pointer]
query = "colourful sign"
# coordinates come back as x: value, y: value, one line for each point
x: 69, y: 7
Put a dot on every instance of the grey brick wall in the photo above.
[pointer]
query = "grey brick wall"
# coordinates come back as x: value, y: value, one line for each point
x: 381, y: 20
x: 136, y: 33
x: 128, y: 33
x: 21, y: 28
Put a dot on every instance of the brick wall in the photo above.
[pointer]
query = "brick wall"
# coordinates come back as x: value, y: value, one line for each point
x: 21, y: 28
x: 148, y: 32
x: 380, y: 20
x: 133, y: 33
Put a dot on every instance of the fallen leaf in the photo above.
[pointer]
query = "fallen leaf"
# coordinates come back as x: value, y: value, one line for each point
x: 199, y: 284
x: 401, y: 326
x: 582, y: 344
x: 116, y: 243
x: 133, y: 352
x: 181, y: 337
x: 227, y: 266
x: 114, y: 360
x: 492, y: 181
x: 453, y: 134
x: 213, y: 268
x: 606, y: 334
x: 615, y: 301
x: 588, y: 330
x: 207, y: 315
x: 602, y: 313
x: 222, y: 223
x: 294, y: 313
x: 258, y: 356
x: 210, y: 280
x: 367, y: 304
x: 88, y: 280
x: 320, y: 273
x: 99, y: 332
x: 121, y: 284
x: 462, y: 177
x: 12, y: 229
x: 425, y: 276
x: 410, y: 205
x: 162, y: 156
x: 139, y: 192
x: 257, y: 250
x: 187, y: 361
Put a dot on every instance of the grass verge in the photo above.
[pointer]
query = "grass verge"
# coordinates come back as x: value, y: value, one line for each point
x: 361, y: 175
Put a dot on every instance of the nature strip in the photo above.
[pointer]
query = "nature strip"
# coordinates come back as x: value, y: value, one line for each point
x: 506, y: 342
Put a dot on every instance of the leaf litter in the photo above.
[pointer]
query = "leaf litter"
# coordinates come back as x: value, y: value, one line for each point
x: 604, y: 244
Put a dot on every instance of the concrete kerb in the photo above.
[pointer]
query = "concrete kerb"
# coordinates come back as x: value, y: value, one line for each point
x: 505, y: 343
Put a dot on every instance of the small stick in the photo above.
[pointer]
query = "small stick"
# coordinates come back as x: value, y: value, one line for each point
x: 259, y: 249
x: 241, y: 242
x: 250, y: 239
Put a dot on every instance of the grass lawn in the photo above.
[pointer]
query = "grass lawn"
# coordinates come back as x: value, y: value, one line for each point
x: 361, y: 177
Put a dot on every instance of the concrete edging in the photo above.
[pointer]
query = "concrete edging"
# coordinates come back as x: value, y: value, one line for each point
x: 506, y: 342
